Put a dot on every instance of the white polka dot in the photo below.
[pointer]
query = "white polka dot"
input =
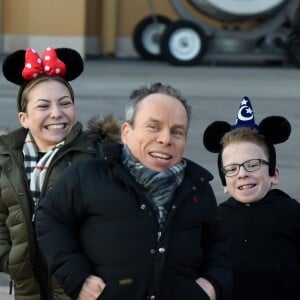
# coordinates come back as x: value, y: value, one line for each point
x: 39, y: 61
x: 34, y: 75
x: 46, y: 68
x: 57, y: 70
x: 32, y: 50
x: 49, y: 48
x: 28, y: 65
x: 47, y: 57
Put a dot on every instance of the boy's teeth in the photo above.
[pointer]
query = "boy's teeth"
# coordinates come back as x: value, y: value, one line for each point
x: 246, y: 186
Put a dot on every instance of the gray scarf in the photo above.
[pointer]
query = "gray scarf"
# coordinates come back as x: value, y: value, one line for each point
x: 159, y: 185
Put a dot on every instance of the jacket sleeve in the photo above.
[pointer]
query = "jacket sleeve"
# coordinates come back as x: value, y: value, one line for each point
x: 217, y: 266
x: 5, y: 241
x: 57, y: 226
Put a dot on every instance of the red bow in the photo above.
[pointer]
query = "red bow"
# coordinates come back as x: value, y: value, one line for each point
x: 49, y: 64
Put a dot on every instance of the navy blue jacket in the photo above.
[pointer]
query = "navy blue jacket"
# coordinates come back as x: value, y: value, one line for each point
x: 265, y: 247
x: 97, y: 220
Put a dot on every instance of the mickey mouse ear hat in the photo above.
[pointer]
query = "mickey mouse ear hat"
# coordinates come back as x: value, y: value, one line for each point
x: 22, y: 66
x: 274, y: 129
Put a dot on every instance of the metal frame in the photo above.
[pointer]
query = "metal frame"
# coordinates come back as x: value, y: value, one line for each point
x: 263, y: 29
x: 238, y: 38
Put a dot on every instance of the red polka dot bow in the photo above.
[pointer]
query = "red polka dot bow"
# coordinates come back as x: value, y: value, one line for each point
x: 49, y: 64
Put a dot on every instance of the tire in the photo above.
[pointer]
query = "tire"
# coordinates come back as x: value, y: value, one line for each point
x: 294, y: 54
x: 293, y: 46
x: 147, y: 35
x: 183, y: 43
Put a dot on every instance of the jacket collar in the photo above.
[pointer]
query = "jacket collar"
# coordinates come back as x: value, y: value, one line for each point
x: 272, y: 195
x: 197, y: 173
x: 194, y: 171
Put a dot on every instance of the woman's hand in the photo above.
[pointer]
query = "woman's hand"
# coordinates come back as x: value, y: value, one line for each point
x: 91, y: 288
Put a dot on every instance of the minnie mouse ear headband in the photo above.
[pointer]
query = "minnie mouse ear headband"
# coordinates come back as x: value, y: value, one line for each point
x: 275, y: 130
x: 22, y: 66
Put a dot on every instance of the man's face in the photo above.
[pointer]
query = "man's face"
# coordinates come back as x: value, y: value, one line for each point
x: 247, y: 187
x: 158, y: 136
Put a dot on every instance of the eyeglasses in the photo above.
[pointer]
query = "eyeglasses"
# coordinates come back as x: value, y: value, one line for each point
x: 251, y: 165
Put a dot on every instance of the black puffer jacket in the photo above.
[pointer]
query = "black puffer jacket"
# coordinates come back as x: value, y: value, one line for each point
x: 265, y: 247
x: 99, y: 210
x: 18, y: 251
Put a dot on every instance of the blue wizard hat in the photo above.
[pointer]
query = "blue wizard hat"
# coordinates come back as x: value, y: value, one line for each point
x: 245, y: 116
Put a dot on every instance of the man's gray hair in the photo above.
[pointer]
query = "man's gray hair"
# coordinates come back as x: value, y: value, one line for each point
x: 139, y: 94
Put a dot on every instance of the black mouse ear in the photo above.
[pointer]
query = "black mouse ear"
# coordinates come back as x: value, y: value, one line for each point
x: 275, y: 129
x: 213, y: 134
x: 13, y: 65
x: 73, y: 61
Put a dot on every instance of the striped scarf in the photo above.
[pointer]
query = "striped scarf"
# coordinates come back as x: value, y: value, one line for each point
x: 35, y: 168
x: 160, y: 185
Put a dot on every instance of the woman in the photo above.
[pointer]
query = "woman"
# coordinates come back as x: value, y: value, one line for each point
x: 33, y: 156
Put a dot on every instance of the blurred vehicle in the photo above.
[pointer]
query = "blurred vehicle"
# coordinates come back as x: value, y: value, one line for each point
x: 218, y: 30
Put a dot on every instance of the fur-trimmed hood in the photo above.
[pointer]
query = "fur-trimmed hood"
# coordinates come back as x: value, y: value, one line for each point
x: 108, y: 128
x: 3, y: 131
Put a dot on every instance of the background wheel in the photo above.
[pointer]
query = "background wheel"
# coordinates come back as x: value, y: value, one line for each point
x: 294, y: 53
x: 147, y: 35
x: 183, y: 43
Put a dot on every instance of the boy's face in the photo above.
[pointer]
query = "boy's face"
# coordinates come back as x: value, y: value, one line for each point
x: 247, y: 187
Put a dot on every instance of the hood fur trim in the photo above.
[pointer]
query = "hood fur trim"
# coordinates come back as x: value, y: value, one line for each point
x: 108, y: 128
x: 3, y: 132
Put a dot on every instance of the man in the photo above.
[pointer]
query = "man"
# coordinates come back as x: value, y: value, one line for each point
x: 141, y: 225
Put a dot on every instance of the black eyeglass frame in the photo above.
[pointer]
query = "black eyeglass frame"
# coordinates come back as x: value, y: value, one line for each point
x: 258, y: 160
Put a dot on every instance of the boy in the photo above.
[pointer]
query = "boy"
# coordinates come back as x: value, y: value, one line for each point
x: 262, y: 223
